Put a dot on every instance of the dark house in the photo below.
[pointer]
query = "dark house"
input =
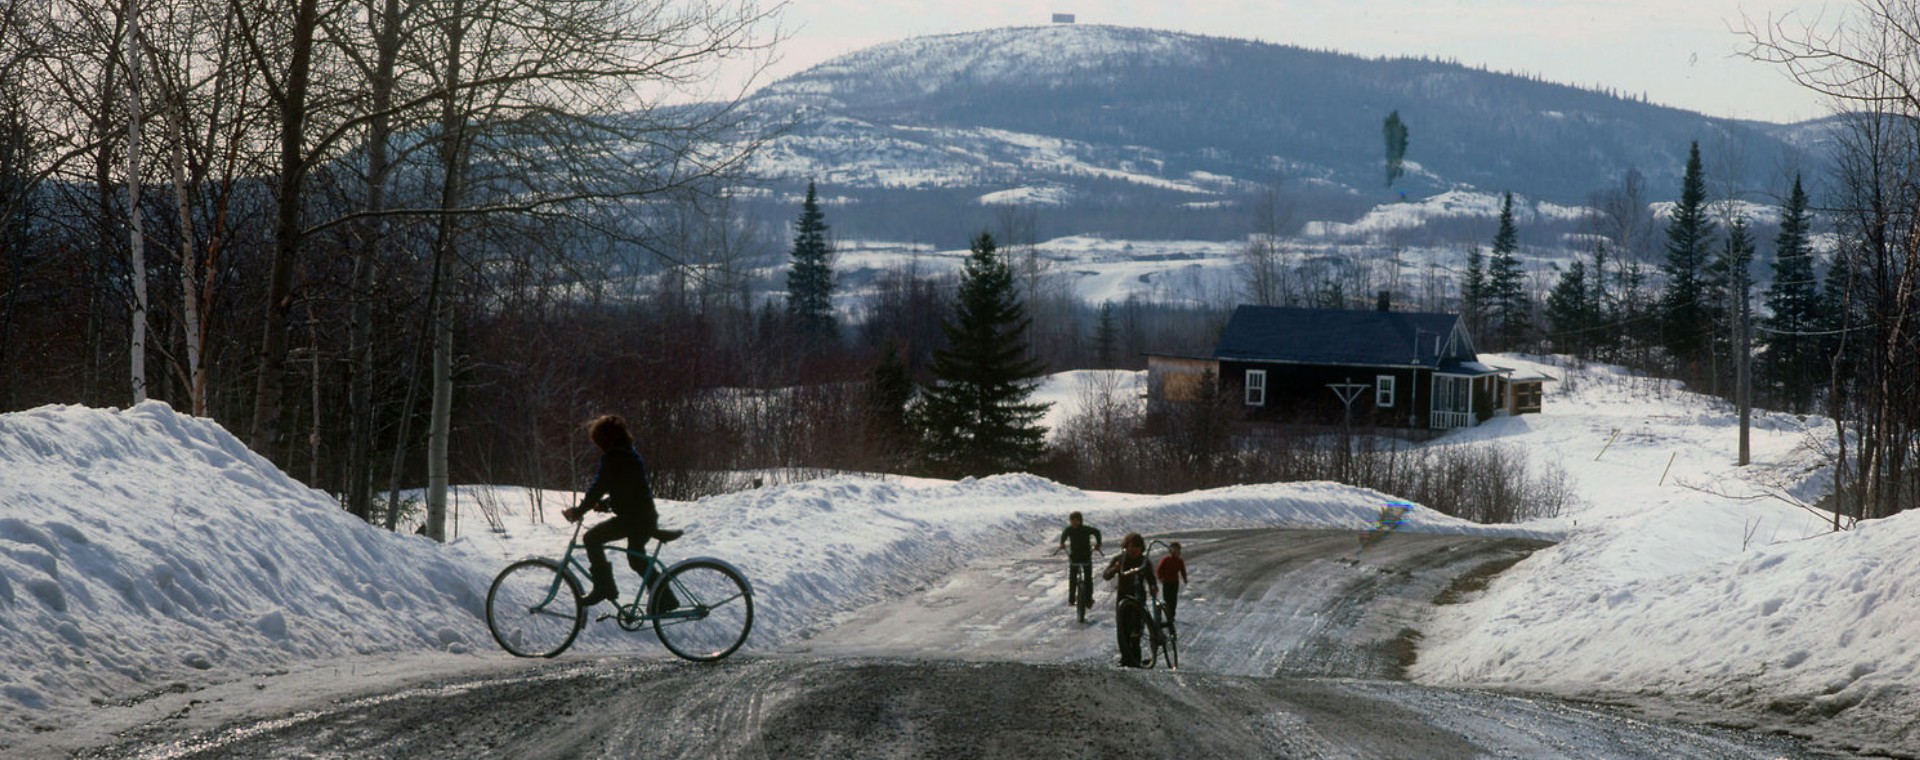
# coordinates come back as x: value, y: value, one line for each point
x: 1329, y: 366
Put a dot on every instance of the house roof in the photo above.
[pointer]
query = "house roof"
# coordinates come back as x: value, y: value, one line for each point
x: 1346, y: 337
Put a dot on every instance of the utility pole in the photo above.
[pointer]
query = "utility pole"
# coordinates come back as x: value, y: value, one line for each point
x: 1743, y: 375
x: 1347, y: 391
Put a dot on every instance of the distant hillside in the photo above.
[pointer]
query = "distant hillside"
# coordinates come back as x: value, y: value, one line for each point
x: 1141, y: 133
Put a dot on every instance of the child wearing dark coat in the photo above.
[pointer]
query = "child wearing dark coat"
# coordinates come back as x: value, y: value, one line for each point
x: 620, y: 486
x: 1135, y: 582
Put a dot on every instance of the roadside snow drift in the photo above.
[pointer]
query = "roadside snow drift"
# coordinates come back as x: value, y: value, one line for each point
x: 144, y: 551
x: 141, y: 547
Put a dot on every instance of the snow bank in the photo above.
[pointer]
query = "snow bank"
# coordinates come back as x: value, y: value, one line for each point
x: 144, y: 547
x: 1690, y: 577
x: 144, y: 551
x: 1818, y: 631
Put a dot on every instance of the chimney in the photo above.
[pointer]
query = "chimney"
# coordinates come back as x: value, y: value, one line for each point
x: 1386, y: 301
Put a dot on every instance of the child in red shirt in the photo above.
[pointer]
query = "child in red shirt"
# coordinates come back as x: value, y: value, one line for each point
x: 1172, y: 571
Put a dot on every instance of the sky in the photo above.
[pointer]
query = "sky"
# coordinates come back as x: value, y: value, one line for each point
x: 1682, y: 54
x: 153, y: 568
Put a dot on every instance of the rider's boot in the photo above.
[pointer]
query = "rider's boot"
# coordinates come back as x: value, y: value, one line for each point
x: 603, y: 585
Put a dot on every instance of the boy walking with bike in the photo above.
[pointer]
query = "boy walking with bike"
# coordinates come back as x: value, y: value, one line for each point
x: 1081, y: 541
x: 1136, y: 582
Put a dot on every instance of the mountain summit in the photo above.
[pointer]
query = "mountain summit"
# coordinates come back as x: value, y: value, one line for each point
x: 1140, y: 126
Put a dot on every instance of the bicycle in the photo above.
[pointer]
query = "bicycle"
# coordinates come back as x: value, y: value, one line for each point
x: 701, y: 608
x: 1080, y: 584
x: 1166, y: 648
x: 1162, y: 640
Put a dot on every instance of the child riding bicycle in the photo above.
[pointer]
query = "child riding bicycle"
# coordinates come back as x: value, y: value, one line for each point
x: 1081, y: 541
x: 622, y: 481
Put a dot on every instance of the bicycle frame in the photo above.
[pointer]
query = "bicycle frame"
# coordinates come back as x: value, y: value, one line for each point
x: 632, y: 614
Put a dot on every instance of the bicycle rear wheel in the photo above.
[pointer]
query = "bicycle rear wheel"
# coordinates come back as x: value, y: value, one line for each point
x: 533, y: 609
x: 714, y: 615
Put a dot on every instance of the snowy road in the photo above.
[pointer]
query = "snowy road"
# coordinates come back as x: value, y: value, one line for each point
x: 1291, y: 648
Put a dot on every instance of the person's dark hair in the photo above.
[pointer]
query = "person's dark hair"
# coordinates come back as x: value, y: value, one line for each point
x: 1075, y: 515
x: 609, y: 431
x: 1174, y: 545
x: 1133, y: 539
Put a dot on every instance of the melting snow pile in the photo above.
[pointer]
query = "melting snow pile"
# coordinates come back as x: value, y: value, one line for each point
x: 141, y: 549
x: 138, y: 548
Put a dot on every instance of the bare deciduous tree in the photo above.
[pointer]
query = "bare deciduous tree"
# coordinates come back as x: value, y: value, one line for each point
x: 1868, y: 65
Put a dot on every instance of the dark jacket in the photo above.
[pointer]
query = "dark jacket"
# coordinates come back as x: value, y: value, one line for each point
x: 1136, y: 579
x: 1080, y: 542
x: 622, y: 479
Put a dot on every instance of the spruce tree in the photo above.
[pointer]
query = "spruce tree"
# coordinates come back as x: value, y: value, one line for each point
x: 889, y: 392
x: 1473, y: 292
x: 810, y: 280
x: 1727, y: 292
x: 1600, y: 339
x: 1685, y: 324
x: 976, y: 419
x: 1396, y: 134
x: 1792, y: 364
x: 1506, y: 285
x: 1106, y: 337
x: 1569, y: 313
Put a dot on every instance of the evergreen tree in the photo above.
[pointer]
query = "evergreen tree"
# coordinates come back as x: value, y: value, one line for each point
x: 1792, y: 366
x: 1106, y: 337
x: 1506, y: 283
x: 976, y: 419
x: 1685, y: 324
x: 1396, y: 134
x: 1473, y: 292
x: 810, y: 280
x: 1840, y: 314
x: 1570, y: 311
x: 1726, y: 293
x: 1600, y: 338
x: 889, y: 392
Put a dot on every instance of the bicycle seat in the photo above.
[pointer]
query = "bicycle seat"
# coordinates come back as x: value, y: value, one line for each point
x: 664, y: 535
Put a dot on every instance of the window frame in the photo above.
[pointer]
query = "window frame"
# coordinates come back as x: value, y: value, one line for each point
x: 1384, y: 387
x: 1256, y: 388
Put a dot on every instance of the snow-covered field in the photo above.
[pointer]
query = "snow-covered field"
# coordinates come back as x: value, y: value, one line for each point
x: 1097, y: 269
x: 143, y: 551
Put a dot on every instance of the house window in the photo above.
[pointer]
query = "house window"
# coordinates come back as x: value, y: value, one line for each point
x: 1256, y: 387
x: 1383, y: 391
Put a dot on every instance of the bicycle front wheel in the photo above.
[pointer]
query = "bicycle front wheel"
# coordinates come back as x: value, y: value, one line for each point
x: 534, y: 609
x: 1156, y: 641
x: 1168, y: 647
x: 714, y: 615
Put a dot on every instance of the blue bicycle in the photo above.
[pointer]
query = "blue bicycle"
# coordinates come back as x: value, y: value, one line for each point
x: 701, y: 608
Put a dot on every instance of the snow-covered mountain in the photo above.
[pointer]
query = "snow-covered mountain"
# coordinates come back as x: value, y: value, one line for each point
x: 1148, y: 134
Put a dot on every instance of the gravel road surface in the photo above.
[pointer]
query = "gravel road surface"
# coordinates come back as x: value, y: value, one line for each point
x: 1291, y: 647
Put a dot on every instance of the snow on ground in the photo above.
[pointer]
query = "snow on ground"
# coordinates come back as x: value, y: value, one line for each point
x: 140, y: 549
x: 1093, y: 268
x: 1687, y: 576
x: 1450, y: 204
x: 1066, y: 392
x: 143, y: 551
